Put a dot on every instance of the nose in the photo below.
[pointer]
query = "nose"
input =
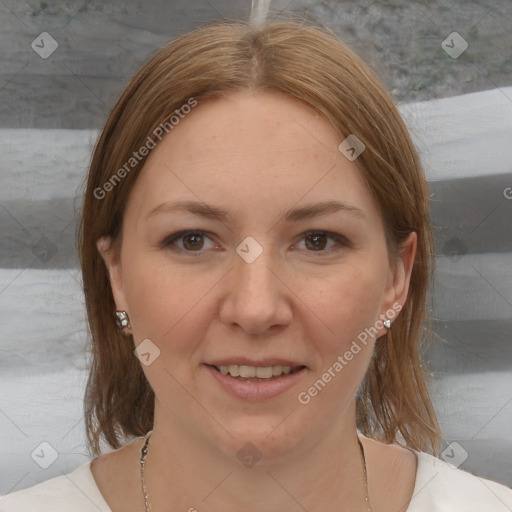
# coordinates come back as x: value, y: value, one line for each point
x: 257, y: 298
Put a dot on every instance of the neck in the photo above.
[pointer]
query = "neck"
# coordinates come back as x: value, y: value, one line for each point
x: 185, y: 471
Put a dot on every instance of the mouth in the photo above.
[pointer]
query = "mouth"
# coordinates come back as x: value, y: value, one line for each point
x: 257, y: 373
x: 256, y: 383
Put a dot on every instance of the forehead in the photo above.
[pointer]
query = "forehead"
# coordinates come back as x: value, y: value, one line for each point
x: 247, y: 147
x: 245, y: 125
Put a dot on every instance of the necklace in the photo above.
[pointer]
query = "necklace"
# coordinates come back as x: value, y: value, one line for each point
x: 147, y: 504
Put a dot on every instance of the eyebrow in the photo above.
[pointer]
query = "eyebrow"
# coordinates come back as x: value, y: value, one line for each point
x: 292, y: 215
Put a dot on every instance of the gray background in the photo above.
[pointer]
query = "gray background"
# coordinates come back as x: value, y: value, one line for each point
x: 51, y: 109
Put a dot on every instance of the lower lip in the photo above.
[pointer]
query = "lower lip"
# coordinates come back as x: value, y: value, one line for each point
x: 256, y: 390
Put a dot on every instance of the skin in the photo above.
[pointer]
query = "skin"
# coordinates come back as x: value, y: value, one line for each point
x: 255, y: 155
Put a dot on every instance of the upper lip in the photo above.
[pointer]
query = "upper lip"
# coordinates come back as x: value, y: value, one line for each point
x: 269, y: 361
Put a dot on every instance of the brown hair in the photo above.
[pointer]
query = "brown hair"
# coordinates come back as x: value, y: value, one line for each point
x: 314, y: 66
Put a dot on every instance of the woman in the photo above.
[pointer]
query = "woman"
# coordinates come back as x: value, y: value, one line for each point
x: 255, y: 251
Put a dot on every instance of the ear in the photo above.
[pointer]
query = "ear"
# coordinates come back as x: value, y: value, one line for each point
x: 400, y: 275
x: 113, y: 263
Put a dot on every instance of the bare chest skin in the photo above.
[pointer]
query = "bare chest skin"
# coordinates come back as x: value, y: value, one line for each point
x: 391, y: 477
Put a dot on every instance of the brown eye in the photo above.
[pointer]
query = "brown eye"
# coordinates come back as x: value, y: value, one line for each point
x: 187, y: 242
x: 318, y: 241
x: 193, y: 242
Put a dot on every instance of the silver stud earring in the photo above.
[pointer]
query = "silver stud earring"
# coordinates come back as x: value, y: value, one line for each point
x: 387, y: 323
x: 123, y: 321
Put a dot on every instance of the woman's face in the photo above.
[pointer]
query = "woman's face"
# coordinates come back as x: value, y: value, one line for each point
x: 285, y: 261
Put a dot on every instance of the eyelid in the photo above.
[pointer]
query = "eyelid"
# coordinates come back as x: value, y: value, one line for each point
x: 338, y: 238
x: 169, y: 241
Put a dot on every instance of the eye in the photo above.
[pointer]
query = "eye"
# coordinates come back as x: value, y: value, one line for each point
x: 317, y: 241
x: 191, y: 241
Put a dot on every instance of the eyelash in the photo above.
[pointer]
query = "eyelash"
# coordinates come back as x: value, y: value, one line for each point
x: 169, y: 242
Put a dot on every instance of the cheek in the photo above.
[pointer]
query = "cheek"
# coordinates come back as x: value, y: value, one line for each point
x: 348, y: 304
x: 347, y: 301
x: 167, y: 304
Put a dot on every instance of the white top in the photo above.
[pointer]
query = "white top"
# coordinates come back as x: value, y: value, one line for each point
x: 439, y: 487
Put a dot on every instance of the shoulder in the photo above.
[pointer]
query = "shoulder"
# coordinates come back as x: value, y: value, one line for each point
x: 440, y: 486
x: 75, y: 491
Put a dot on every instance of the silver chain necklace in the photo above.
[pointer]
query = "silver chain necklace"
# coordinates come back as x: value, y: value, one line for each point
x: 147, y: 504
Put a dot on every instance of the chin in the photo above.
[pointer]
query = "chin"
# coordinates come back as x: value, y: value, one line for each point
x: 262, y: 441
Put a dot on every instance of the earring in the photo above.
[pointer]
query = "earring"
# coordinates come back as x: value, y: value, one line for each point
x: 123, y: 321
x: 387, y: 323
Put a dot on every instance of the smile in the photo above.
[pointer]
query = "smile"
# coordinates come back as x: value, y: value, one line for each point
x: 244, y: 382
x: 256, y: 372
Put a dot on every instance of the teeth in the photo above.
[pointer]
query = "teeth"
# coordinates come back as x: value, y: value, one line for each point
x: 233, y: 370
x: 264, y: 372
x: 261, y: 372
x: 247, y: 371
x: 276, y: 370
